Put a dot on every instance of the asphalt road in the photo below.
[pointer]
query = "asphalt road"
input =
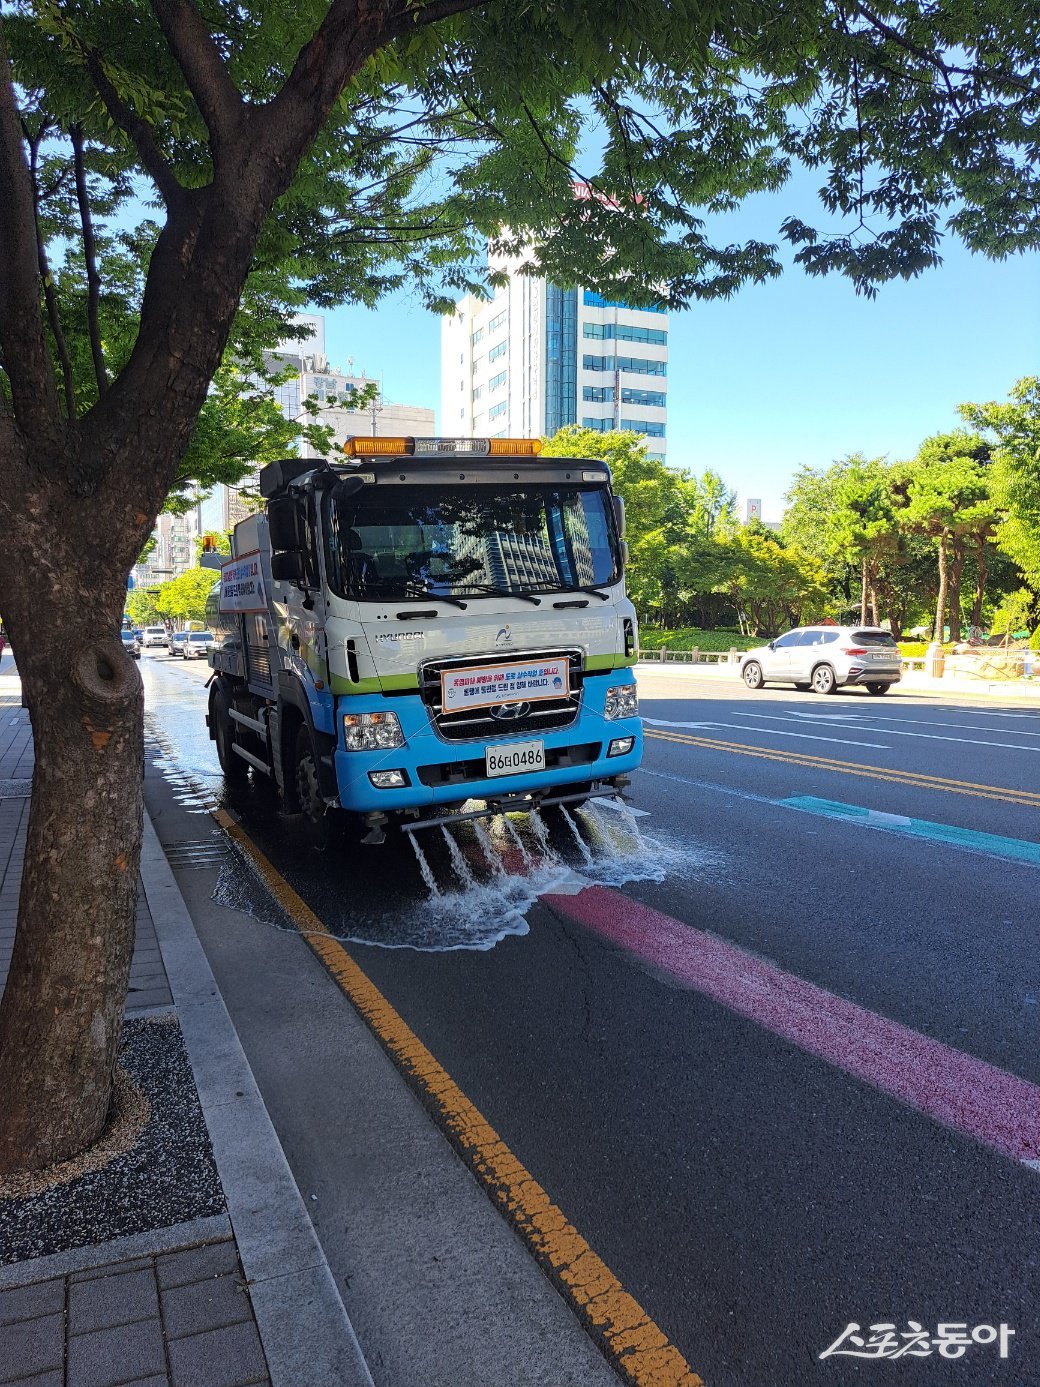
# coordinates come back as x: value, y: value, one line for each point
x: 778, y: 1066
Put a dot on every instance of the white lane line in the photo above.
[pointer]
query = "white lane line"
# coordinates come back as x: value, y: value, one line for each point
x: 769, y: 731
x: 923, y: 736
x: 885, y: 721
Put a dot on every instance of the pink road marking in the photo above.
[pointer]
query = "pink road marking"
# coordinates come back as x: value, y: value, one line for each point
x: 967, y: 1094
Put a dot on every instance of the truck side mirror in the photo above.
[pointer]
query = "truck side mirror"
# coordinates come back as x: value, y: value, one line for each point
x: 283, y: 524
x: 619, y: 515
x: 287, y: 567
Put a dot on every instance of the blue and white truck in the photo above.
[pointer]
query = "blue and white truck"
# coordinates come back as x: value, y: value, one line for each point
x: 427, y: 628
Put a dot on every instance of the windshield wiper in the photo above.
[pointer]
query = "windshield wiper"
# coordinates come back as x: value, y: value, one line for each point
x: 489, y: 590
x: 422, y: 590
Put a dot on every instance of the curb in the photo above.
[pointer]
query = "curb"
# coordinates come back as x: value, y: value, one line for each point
x: 306, y: 1333
x: 213, y: 1229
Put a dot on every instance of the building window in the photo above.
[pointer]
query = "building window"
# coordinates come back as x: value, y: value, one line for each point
x: 478, y: 335
x: 478, y: 392
x: 478, y: 362
x: 594, y: 300
x: 624, y: 332
x: 501, y: 434
x: 644, y: 397
x: 656, y: 457
x: 642, y: 366
x: 599, y: 394
x: 497, y: 381
x: 561, y: 357
x: 496, y: 411
x: 600, y: 425
x: 639, y: 365
x: 498, y: 351
x: 644, y: 426
x: 497, y: 321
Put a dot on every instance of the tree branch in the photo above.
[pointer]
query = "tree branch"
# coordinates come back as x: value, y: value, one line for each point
x: 350, y: 33
x: 198, y: 58
x: 90, y: 259
x: 23, y: 342
x: 50, y: 298
x: 139, y: 131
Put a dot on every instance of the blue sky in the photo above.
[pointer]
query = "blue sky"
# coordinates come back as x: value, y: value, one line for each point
x: 798, y: 370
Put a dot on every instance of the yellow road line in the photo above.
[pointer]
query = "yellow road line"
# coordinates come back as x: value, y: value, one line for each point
x: 630, y: 1340
x: 826, y: 763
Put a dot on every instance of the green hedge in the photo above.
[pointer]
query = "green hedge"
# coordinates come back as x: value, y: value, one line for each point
x: 691, y: 638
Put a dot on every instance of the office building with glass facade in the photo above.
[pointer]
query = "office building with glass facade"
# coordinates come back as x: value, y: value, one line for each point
x: 536, y: 357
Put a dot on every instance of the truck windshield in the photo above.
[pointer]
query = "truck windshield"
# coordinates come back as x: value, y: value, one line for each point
x: 389, y: 542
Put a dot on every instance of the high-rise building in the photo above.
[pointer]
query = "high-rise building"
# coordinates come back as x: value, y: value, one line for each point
x: 536, y: 357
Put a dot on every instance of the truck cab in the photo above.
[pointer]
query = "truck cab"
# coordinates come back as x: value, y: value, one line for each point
x: 426, y: 628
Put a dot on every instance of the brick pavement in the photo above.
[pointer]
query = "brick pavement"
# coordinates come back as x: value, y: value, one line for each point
x: 183, y: 1319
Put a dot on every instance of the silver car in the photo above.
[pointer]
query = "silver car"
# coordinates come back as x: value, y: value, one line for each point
x: 176, y: 641
x: 825, y: 658
x: 197, y: 646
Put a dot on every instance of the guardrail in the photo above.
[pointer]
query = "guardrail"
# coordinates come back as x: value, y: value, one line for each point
x: 691, y: 657
x: 995, y: 665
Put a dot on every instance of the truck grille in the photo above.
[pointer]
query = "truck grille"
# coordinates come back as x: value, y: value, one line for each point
x: 476, y: 724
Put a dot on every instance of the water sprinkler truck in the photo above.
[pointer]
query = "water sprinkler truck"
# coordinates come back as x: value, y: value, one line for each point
x: 425, y: 630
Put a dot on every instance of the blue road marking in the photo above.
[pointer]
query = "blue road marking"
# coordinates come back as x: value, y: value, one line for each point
x: 992, y: 844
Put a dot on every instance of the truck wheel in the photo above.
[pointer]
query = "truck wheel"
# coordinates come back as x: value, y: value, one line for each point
x: 318, y: 818
x: 235, y: 769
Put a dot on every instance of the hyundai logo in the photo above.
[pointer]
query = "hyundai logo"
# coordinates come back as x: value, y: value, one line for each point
x: 509, y: 712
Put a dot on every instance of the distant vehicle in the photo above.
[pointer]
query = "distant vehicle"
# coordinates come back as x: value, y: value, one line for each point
x: 197, y: 646
x: 175, y: 641
x: 153, y: 635
x: 131, y: 644
x: 825, y: 658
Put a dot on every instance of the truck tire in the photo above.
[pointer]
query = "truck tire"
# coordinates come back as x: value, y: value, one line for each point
x: 235, y: 770
x: 317, y: 817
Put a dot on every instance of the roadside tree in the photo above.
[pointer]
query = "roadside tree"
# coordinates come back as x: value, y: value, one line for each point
x: 1013, y: 428
x: 343, y: 150
x: 183, y: 599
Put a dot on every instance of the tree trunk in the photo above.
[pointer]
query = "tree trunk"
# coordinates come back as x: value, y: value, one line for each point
x: 956, y: 569
x: 863, y: 592
x: 62, y: 1008
x: 940, y: 604
x: 980, y: 585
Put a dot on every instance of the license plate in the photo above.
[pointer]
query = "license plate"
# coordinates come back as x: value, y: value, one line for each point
x: 515, y: 758
x: 889, y: 658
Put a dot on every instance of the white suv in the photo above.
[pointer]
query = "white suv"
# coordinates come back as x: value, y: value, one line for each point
x: 153, y: 635
x: 824, y: 658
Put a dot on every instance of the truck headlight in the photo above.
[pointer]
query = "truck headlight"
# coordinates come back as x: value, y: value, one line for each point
x: 622, y: 702
x: 372, y: 731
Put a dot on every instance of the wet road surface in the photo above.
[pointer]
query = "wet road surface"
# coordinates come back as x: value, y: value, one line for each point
x: 790, y: 1085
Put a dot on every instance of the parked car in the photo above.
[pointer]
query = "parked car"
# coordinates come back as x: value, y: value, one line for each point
x: 131, y: 644
x: 175, y: 640
x: 197, y: 646
x: 825, y: 658
x: 154, y: 635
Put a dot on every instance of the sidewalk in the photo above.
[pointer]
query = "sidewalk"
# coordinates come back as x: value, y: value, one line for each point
x: 215, y: 1280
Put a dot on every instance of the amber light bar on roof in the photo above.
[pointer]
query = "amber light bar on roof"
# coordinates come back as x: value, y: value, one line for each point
x: 442, y: 447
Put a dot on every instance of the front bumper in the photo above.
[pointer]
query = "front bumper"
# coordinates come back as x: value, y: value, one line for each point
x: 448, y: 773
